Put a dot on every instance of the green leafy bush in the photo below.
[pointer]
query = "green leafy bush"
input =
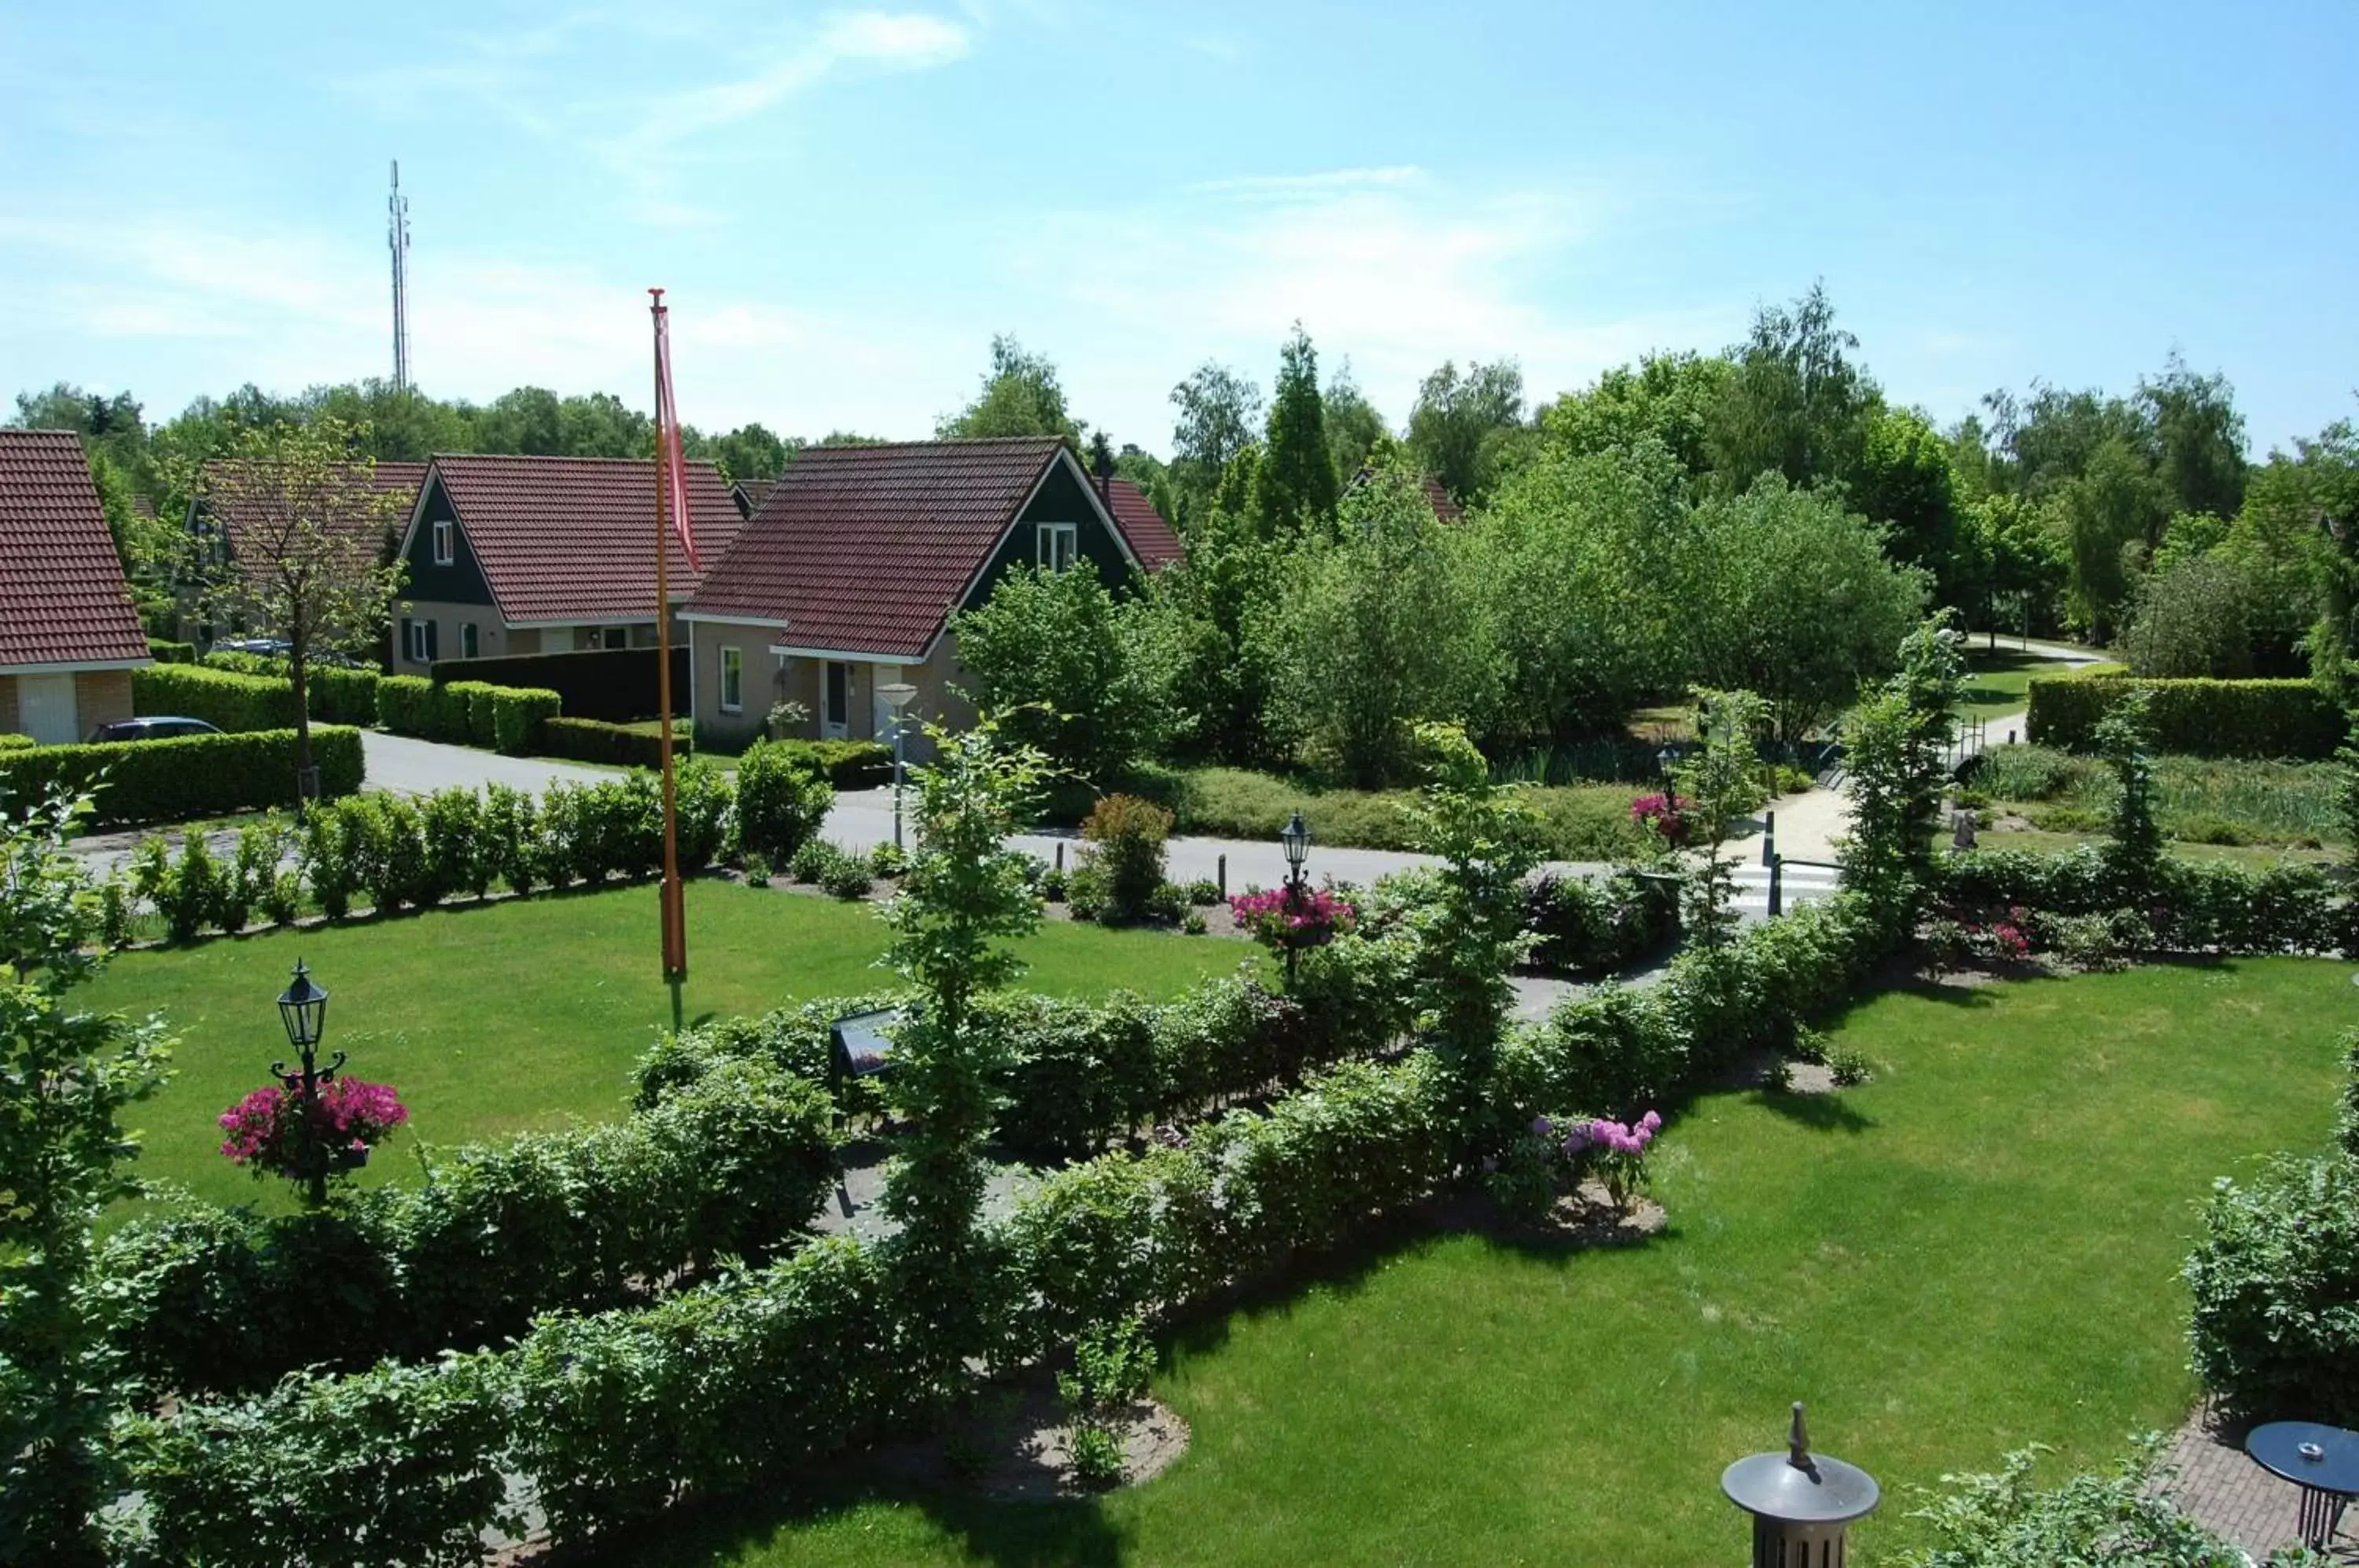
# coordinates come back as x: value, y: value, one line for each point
x: 618, y: 745
x: 2276, y: 1283
x: 846, y: 876
x: 2195, y: 906
x: 846, y: 764
x: 185, y: 778
x: 407, y: 705
x: 1125, y: 838
x: 1587, y: 927
x: 2121, y: 1519
x: 234, y: 703
x: 521, y: 717
x: 2200, y: 718
x: 733, y: 1163
x: 811, y: 860
x: 17, y: 743
x: 165, y: 651
x: 782, y: 801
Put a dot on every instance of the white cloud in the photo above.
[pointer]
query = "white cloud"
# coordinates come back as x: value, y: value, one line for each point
x: 1391, y: 266
x: 889, y: 40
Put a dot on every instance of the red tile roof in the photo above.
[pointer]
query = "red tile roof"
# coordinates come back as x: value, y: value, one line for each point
x: 867, y: 548
x: 570, y: 539
x: 1438, y: 499
x: 62, y: 597
x: 1151, y: 538
x: 399, y: 480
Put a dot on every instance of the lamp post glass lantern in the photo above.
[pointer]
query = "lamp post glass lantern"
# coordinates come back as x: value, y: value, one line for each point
x: 896, y: 695
x: 1294, y: 838
x: 303, y: 1009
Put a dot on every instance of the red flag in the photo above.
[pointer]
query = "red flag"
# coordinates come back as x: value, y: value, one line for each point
x: 668, y: 447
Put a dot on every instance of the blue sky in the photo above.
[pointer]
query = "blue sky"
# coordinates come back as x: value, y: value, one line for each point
x: 846, y: 202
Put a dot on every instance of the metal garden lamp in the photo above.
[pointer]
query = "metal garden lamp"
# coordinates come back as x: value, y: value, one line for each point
x: 1802, y: 1503
x: 896, y: 695
x: 1663, y: 760
x: 303, y: 1009
x: 1295, y: 839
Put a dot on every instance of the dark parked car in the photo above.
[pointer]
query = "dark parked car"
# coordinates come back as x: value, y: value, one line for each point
x: 150, y: 729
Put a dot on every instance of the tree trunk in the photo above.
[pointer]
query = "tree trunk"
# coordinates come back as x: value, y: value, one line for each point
x: 297, y: 677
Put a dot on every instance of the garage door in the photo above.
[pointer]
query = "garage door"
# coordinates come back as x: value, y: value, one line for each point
x: 45, y: 708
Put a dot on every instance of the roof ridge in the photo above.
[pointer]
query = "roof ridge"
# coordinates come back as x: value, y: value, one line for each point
x: 555, y: 457
x: 938, y: 443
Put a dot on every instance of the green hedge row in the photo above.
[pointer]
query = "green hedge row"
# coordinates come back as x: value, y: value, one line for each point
x: 611, y: 1418
x: 2193, y: 906
x: 2194, y: 718
x: 212, y: 1300
x: 223, y: 698
x: 846, y: 764
x: 388, y: 853
x: 339, y: 693
x: 513, y: 719
x: 163, y: 650
x: 185, y: 778
x: 618, y: 745
x: 1083, y: 1074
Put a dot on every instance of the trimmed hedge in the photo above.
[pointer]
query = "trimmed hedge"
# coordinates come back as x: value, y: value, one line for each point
x: 16, y: 742
x: 228, y: 701
x: 2195, y: 718
x: 2193, y: 906
x: 187, y: 777
x: 165, y: 651
x: 846, y: 764
x: 616, y: 684
x: 342, y: 695
x: 593, y: 740
x: 210, y: 1300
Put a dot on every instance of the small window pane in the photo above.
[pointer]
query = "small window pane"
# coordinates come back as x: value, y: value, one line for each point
x: 733, y: 680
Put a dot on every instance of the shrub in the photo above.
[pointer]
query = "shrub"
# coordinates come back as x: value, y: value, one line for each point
x: 2123, y: 1519
x: 185, y: 778
x: 1126, y: 836
x: 1111, y: 1364
x: 474, y: 707
x: 406, y: 705
x: 237, y: 704
x: 811, y: 860
x: 758, y: 871
x: 733, y: 1163
x: 1203, y: 893
x: 619, y: 746
x: 512, y: 837
x: 2276, y: 1281
x: 2201, y: 718
x: 782, y: 801
x: 1585, y: 926
x: 846, y: 876
x: 888, y: 861
x: 846, y: 764
x: 521, y: 717
x: 1168, y: 905
x: 17, y: 743
x: 167, y: 652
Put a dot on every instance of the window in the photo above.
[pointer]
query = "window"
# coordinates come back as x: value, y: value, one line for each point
x: 733, y: 681
x: 470, y: 645
x: 836, y: 715
x: 443, y: 552
x: 1056, y: 544
x: 416, y: 641
x: 618, y: 637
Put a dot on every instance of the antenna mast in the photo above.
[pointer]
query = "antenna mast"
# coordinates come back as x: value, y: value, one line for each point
x: 396, y: 239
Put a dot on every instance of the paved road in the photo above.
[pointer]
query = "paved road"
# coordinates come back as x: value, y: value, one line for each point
x: 411, y: 766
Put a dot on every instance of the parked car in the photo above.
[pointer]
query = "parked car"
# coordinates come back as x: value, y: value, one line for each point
x: 268, y: 647
x: 156, y: 728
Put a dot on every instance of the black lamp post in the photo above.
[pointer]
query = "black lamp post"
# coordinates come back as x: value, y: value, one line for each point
x: 1295, y: 839
x: 1663, y: 760
x: 303, y: 1007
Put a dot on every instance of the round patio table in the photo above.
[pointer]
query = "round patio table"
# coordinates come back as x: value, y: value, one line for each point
x: 2323, y: 1461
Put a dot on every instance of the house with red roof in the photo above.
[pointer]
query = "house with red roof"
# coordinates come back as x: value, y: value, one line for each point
x: 511, y: 555
x: 69, y: 638
x: 845, y: 581
x: 229, y: 538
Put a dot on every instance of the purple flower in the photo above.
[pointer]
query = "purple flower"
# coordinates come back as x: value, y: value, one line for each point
x: 1540, y: 1127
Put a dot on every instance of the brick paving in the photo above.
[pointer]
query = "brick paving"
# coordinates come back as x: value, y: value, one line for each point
x: 2218, y: 1483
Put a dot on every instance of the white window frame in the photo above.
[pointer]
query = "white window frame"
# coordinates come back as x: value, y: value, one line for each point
x: 413, y: 641
x: 471, y: 643
x: 733, y: 679
x: 1056, y: 546
x: 445, y: 541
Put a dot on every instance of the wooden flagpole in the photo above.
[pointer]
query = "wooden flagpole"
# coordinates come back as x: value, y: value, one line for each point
x: 675, y: 920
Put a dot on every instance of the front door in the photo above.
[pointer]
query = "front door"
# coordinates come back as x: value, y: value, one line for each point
x: 836, y: 721
x: 45, y: 709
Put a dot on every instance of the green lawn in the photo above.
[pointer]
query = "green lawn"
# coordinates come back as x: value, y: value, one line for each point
x: 524, y: 1013
x: 1976, y: 1251
x: 1998, y: 681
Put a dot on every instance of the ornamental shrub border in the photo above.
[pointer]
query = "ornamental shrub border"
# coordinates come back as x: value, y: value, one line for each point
x: 213, y: 1301
x: 619, y: 746
x: 223, y: 698
x: 2190, y: 907
x: 339, y: 693
x: 612, y: 1417
x: 189, y: 776
x: 2194, y: 718
x: 383, y: 853
x: 248, y: 691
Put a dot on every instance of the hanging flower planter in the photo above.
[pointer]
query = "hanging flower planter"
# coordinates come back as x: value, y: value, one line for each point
x: 271, y: 1135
